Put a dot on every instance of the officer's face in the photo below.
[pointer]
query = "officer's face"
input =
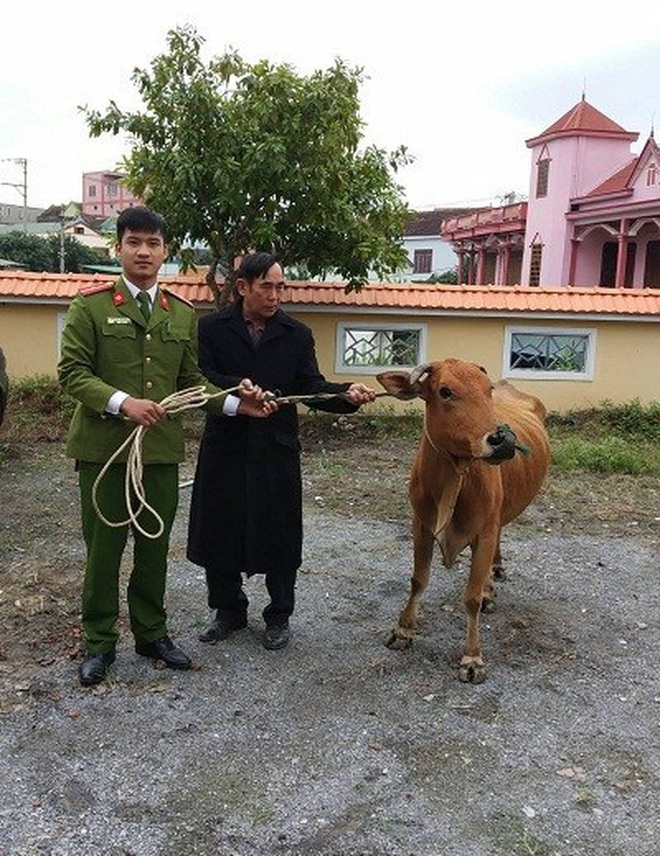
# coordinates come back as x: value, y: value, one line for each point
x: 262, y: 296
x: 141, y: 255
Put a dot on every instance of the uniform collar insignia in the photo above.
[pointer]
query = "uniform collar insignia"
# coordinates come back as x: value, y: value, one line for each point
x: 118, y: 298
x: 163, y: 302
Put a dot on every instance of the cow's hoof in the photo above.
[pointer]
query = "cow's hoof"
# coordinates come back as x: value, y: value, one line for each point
x: 472, y: 673
x: 498, y: 572
x: 488, y: 604
x: 398, y: 640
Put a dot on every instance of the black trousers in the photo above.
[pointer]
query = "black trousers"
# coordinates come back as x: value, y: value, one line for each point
x: 227, y: 597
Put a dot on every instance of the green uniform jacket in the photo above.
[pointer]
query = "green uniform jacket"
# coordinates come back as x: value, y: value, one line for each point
x: 107, y: 346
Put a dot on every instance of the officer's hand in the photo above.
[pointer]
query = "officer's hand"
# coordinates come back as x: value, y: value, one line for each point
x: 143, y: 411
x: 359, y: 393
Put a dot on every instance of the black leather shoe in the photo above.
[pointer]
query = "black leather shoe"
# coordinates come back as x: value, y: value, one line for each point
x: 94, y: 668
x: 277, y: 637
x: 164, y: 649
x: 221, y: 628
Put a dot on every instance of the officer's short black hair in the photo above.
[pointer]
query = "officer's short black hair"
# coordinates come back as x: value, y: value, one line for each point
x: 139, y: 218
x: 255, y: 265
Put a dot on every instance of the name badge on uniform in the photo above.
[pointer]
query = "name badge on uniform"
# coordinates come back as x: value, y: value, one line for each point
x: 118, y: 319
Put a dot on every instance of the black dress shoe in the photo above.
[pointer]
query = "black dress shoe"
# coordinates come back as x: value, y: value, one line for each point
x: 94, y: 668
x: 164, y: 649
x: 221, y: 628
x: 277, y: 636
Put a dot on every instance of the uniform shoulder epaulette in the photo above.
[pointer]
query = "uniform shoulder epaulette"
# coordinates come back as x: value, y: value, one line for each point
x: 95, y: 289
x: 171, y: 293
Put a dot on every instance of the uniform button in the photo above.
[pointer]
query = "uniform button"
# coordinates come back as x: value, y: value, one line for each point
x: 148, y: 337
x: 149, y: 384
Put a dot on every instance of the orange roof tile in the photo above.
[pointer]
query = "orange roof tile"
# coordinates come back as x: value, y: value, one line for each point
x: 585, y: 120
x: 20, y: 286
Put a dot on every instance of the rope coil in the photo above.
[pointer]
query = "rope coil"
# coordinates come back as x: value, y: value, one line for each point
x: 185, y: 399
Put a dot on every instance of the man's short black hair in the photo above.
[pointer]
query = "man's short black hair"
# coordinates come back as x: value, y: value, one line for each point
x: 141, y: 219
x: 255, y: 265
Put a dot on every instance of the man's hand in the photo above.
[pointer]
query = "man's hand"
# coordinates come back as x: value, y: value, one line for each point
x: 359, y: 393
x: 254, y: 400
x: 143, y: 411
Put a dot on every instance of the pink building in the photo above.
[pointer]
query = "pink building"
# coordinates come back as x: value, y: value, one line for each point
x: 592, y: 219
x: 104, y: 194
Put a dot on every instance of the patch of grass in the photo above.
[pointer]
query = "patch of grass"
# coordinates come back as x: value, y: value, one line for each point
x: 529, y: 845
x: 615, y: 438
x: 609, y: 455
x: 633, y: 419
x: 585, y: 799
x: 37, y: 410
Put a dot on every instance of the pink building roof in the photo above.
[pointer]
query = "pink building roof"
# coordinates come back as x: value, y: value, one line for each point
x: 583, y: 120
x: 19, y: 286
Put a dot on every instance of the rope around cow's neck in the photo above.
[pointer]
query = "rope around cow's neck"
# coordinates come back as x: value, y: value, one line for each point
x: 185, y: 399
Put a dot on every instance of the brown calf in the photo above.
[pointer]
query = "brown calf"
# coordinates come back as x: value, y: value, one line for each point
x: 458, y: 496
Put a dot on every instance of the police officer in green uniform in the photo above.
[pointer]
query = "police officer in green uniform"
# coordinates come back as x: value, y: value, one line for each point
x: 119, y: 359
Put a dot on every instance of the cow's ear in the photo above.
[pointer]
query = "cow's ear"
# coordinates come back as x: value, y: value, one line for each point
x: 397, y: 384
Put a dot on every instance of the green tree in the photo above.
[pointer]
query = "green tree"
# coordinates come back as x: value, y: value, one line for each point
x: 242, y: 157
x: 447, y: 277
x: 28, y: 250
x: 76, y: 255
x: 43, y: 254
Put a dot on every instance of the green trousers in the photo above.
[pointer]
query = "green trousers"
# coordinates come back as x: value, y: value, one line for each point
x: 105, y: 547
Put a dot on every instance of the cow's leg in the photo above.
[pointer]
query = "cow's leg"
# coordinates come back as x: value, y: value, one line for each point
x: 472, y: 667
x: 498, y: 568
x: 496, y: 573
x: 402, y: 635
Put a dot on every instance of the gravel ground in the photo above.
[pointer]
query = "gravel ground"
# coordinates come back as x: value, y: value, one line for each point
x: 337, y: 746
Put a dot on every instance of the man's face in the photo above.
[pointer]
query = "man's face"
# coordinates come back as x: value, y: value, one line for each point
x: 141, y: 255
x: 262, y: 296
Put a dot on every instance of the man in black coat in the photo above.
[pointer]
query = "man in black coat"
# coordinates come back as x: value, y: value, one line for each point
x: 246, y: 507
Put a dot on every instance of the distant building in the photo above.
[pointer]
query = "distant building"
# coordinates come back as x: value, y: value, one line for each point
x: 104, y: 194
x: 428, y: 254
x: 592, y: 218
x: 12, y: 215
x: 92, y: 232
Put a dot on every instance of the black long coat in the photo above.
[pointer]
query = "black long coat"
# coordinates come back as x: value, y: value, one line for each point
x: 246, y: 507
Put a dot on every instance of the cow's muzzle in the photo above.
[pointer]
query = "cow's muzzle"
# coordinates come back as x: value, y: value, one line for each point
x: 502, y: 443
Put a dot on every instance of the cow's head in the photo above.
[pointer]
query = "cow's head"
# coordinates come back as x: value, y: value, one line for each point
x: 460, y: 418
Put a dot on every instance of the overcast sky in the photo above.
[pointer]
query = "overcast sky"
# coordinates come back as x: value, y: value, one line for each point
x: 462, y: 88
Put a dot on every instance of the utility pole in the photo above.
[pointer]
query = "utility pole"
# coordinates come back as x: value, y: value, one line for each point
x: 22, y: 188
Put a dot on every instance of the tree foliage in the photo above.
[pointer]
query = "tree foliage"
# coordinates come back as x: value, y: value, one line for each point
x: 447, y: 277
x: 243, y: 156
x: 44, y: 254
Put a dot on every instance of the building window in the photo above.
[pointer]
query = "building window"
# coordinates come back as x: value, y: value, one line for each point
x: 91, y: 190
x: 111, y: 189
x: 651, y: 175
x: 423, y: 261
x: 535, y: 265
x: 365, y: 349
x: 551, y: 354
x: 542, y: 174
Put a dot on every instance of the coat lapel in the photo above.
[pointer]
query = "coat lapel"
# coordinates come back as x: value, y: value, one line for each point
x: 160, y: 311
x: 125, y: 303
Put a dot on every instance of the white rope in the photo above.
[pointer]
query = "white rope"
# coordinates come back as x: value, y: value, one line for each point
x: 185, y: 399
